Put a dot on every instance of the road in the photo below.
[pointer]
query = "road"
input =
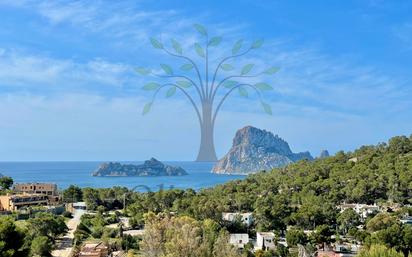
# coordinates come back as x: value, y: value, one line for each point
x: 65, y: 244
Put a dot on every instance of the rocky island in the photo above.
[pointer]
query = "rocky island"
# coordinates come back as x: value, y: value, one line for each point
x: 149, y: 168
x: 254, y: 150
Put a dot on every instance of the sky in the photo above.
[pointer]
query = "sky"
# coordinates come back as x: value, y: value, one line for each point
x: 69, y: 90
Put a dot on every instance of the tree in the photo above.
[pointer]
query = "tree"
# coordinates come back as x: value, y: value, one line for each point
x: 347, y: 220
x: 6, y: 183
x: 204, y: 92
x: 11, y: 239
x: 41, y: 246
x: 295, y: 237
x: 379, y: 251
x: 184, y: 238
x: 381, y: 221
x: 47, y: 224
x: 322, y: 235
x: 72, y: 194
x: 222, y: 248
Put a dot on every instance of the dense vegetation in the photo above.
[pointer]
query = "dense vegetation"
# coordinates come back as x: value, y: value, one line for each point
x: 34, y: 237
x: 301, y: 196
x: 288, y: 201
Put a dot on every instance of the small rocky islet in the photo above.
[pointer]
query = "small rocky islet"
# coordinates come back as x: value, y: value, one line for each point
x: 150, y: 168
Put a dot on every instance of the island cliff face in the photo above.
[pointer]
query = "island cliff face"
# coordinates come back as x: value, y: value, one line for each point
x: 254, y: 150
x: 149, y: 168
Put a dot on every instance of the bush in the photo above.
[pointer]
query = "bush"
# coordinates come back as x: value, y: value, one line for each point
x: 67, y: 214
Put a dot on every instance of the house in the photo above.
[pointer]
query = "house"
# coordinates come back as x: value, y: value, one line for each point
x: 14, y: 202
x: 48, y: 189
x: 239, y: 240
x: 406, y: 220
x: 265, y: 241
x: 94, y: 250
x: 340, y: 250
x: 79, y: 206
x: 36, y: 188
x: 364, y: 210
x: 246, y: 218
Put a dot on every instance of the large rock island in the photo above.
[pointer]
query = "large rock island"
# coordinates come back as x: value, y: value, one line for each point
x: 254, y: 150
x: 149, y: 168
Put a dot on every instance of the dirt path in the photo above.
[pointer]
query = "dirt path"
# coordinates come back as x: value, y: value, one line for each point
x: 65, y: 244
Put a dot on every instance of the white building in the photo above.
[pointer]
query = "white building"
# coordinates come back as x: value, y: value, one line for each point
x: 406, y: 220
x: 246, y: 218
x: 364, y: 210
x: 239, y: 240
x: 265, y: 240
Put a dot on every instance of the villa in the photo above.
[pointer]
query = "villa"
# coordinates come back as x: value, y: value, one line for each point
x: 364, y: 210
x: 265, y: 241
x: 246, y: 218
x: 406, y: 220
x: 48, y: 189
x: 239, y: 240
x: 15, y: 202
x: 36, y: 188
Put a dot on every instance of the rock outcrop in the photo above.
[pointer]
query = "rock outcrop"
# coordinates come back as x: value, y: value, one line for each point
x: 254, y: 150
x: 149, y: 168
x: 324, y: 154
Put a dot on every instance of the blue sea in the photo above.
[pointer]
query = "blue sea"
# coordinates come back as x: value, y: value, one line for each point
x: 79, y: 173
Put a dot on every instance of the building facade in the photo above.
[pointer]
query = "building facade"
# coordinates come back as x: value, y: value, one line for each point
x: 239, y: 240
x: 265, y: 241
x: 36, y: 188
x: 15, y: 202
x: 246, y: 218
x: 94, y: 250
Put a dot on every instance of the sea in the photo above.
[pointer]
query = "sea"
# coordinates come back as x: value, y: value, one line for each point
x: 65, y: 174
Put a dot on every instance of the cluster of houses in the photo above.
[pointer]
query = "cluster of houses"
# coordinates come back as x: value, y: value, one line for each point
x: 29, y: 194
x: 267, y: 240
x: 264, y: 240
x: 363, y: 210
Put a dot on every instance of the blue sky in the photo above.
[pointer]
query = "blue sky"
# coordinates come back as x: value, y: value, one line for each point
x: 68, y: 90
